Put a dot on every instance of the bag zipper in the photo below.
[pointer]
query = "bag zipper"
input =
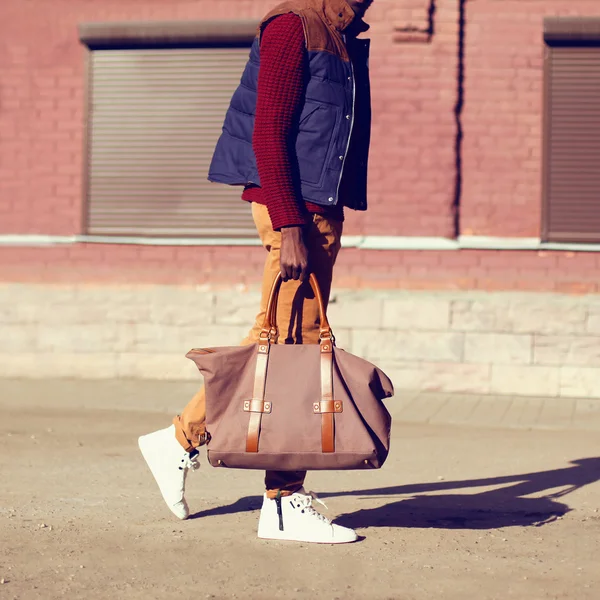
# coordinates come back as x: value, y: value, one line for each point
x: 279, y: 510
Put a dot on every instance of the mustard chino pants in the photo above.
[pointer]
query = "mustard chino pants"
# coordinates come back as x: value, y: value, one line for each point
x: 297, y: 319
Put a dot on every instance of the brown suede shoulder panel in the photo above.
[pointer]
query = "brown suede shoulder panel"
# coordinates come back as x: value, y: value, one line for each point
x: 322, y: 24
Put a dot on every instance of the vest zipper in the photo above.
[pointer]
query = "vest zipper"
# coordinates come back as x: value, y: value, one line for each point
x: 337, y: 192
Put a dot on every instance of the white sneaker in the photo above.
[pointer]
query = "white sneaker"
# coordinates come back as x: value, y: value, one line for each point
x: 169, y: 464
x: 294, y: 518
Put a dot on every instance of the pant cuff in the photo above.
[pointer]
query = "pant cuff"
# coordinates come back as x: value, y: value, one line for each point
x: 180, y: 436
x: 272, y: 494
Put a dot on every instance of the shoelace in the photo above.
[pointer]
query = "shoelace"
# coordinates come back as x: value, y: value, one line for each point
x: 314, y: 496
x: 306, y: 503
x: 189, y: 462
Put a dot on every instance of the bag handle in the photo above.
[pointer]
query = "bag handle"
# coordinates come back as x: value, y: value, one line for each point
x: 327, y: 406
x: 269, y: 328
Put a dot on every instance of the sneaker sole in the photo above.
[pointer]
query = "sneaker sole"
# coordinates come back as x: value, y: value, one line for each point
x: 305, y: 541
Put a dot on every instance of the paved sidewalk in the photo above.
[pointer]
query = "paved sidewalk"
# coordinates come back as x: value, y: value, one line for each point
x: 498, y: 411
x: 506, y: 412
x: 457, y: 512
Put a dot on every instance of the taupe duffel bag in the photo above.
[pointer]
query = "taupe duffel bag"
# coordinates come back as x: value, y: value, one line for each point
x: 293, y: 407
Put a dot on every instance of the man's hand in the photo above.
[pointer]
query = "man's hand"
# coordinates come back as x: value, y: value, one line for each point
x: 294, y: 254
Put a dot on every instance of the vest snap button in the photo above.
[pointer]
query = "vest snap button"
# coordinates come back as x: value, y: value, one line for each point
x: 341, y: 158
x: 348, y: 117
x: 330, y: 199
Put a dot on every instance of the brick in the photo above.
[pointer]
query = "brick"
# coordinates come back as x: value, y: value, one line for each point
x: 54, y: 314
x: 567, y: 350
x: 421, y: 259
x: 236, y: 309
x: 579, y: 382
x: 18, y: 338
x: 344, y: 338
x: 593, y: 321
x: 579, y: 288
x: 149, y: 338
x: 439, y: 377
x: 498, y: 348
x: 68, y: 338
x: 578, y: 260
x: 163, y: 253
x: 547, y: 317
x: 379, y: 258
x: 524, y: 380
x: 440, y: 347
x: 197, y: 311
x: 462, y: 259
x: 474, y: 315
x: 158, y: 366
x: 362, y: 313
x: 343, y: 281
x: 416, y: 313
x: 18, y: 314
x: 41, y: 295
x: 447, y: 283
x: 536, y: 282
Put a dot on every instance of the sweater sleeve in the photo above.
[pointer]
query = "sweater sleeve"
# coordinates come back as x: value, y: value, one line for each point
x: 280, y: 87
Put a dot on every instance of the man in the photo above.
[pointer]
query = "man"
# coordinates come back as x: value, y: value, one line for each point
x: 296, y: 136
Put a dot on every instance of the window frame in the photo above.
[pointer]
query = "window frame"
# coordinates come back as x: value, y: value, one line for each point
x: 134, y: 35
x: 560, y: 32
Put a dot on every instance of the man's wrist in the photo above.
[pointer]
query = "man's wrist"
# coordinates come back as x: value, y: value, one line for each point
x: 292, y: 230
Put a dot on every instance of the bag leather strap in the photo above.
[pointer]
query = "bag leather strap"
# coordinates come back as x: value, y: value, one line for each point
x: 260, y: 383
x: 327, y: 420
x: 327, y: 406
x: 270, y: 320
x: 257, y: 406
x: 332, y: 406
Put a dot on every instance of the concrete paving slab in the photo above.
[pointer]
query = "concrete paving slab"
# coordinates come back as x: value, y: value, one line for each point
x: 457, y: 512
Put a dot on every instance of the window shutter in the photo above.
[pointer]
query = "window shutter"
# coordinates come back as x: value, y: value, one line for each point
x: 572, y: 144
x: 155, y: 116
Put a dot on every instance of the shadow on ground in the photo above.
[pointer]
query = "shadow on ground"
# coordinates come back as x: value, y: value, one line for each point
x: 523, y: 500
x: 246, y: 504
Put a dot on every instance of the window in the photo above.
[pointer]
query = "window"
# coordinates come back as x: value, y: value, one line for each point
x: 157, y: 96
x: 572, y: 131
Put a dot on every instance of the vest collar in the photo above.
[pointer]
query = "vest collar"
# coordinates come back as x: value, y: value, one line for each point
x: 339, y: 14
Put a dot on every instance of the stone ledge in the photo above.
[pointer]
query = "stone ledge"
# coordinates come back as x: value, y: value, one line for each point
x: 459, y: 342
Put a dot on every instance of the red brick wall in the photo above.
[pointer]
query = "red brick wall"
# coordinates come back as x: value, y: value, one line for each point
x: 414, y: 92
x: 41, y: 121
x: 503, y: 113
x: 565, y: 272
x: 412, y: 178
x: 120, y: 263
x: 42, y: 70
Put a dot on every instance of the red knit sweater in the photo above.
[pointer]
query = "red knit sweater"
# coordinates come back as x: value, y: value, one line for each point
x: 280, y: 95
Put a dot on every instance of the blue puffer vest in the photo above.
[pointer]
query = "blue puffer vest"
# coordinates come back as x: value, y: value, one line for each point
x: 338, y: 75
